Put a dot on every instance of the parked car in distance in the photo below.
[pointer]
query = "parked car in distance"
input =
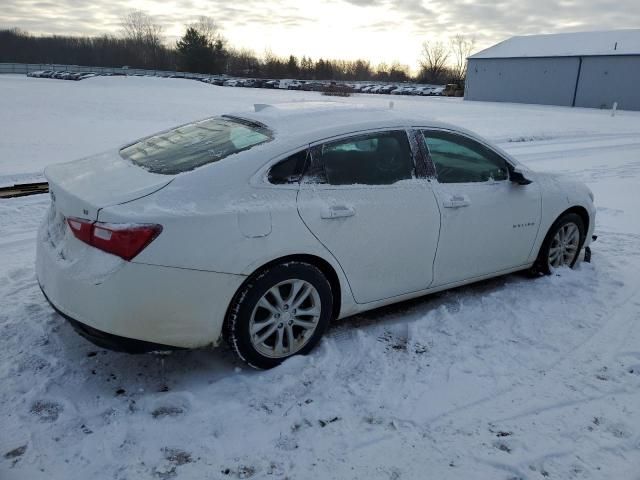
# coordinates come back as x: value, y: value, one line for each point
x: 422, y: 91
x: 39, y: 73
x: 286, y: 82
x: 312, y: 86
x: 294, y: 85
x: 453, y: 90
x: 387, y: 89
x: 228, y: 228
x: 402, y: 91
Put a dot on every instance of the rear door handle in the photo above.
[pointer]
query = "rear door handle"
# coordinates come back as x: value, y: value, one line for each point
x: 456, y: 201
x: 338, y: 211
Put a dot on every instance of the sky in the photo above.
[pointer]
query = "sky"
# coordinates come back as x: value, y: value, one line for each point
x: 377, y: 30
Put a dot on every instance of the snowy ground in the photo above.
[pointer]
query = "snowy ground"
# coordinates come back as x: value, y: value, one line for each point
x: 512, y: 378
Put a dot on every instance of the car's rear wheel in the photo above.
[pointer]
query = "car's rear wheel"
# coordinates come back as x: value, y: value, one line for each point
x: 562, y: 245
x: 282, y: 311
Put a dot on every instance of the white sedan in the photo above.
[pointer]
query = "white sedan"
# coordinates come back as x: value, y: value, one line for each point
x: 263, y: 227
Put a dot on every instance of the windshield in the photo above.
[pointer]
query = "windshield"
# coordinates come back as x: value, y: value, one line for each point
x: 196, y: 144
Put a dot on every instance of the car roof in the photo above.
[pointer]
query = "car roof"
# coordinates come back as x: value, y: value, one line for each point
x: 312, y: 121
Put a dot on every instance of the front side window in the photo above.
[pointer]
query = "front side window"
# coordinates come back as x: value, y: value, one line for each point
x: 459, y: 159
x: 382, y: 158
x: 196, y: 144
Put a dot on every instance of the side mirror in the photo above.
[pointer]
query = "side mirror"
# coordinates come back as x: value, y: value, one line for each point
x: 517, y: 176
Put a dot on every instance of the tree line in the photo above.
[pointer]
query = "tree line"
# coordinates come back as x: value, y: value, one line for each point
x: 203, y: 49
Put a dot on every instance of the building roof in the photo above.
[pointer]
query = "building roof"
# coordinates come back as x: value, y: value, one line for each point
x: 612, y: 42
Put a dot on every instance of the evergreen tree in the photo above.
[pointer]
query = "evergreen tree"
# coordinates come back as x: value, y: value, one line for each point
x: 195, y: 52
x: 293, y: 70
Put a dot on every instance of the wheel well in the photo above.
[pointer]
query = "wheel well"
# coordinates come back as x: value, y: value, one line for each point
x: 582, y: 212
x: 578, y: 210
x: 324, y: 266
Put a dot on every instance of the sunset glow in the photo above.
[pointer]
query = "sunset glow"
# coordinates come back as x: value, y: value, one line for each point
x: 378, y: 30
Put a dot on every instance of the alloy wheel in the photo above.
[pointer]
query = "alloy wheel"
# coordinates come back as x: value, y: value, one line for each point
x: 285, y: 318
x: 564, y: 246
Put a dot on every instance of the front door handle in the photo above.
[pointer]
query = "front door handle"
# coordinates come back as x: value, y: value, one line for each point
x: 456, y: 201
x: 338, y: 211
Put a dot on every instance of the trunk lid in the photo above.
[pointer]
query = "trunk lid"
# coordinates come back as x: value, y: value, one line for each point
x: 82, y: 187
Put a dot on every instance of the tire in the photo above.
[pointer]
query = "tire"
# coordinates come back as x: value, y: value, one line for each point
x: 284, y: 302
x: 544, y: 263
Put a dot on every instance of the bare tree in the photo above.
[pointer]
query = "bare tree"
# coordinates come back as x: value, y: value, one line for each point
x: 144, y: 35
x: 433, y: 61
x: 207, y: 27
x: 461, y: 47
x: 243, y: 62
x: 140, y: 27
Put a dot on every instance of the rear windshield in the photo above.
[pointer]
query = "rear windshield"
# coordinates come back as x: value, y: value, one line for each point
x: 191, y: 146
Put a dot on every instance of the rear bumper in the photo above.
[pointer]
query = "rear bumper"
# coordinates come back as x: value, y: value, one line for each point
x: 137, y: 307
x: 109, y: 341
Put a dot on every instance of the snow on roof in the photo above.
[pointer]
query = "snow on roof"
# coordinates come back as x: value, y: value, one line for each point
x: 312, y: 112
x: 312, y: 120
x: 612, y: 42
x: 300, y: 118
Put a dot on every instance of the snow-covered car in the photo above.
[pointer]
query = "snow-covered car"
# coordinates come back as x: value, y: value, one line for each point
x: 39, y: 73
x: 264, y: 226
x: 423, y: 91
x: 387, y: 89
x: 399, y: 91
x: 403, y: 91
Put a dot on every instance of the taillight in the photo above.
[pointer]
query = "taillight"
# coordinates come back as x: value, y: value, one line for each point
x: 81, y: 229
x: 124, y: 240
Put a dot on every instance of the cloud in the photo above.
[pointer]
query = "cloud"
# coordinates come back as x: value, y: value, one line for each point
x: 507, y: 18
x: 398, y: 21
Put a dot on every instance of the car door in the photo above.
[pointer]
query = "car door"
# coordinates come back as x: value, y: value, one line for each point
x: 363, y: 201
x: 489, y: 224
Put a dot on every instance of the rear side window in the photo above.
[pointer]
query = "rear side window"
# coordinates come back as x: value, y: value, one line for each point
x: 288, y: 170
x: 196, y: 144
x: 381, y: 158
x: 459, y: 159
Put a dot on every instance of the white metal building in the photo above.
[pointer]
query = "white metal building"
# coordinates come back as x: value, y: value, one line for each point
x: 583, y: 69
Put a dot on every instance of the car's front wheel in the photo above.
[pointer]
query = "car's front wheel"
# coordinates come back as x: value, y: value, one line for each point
x: 282, y: 311
x: 561, y: 247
